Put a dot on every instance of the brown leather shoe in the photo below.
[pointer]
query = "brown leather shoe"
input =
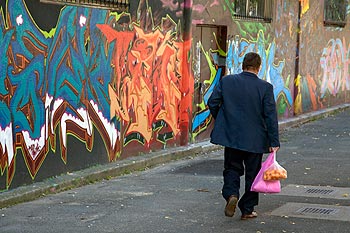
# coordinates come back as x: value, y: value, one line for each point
x: 231, y: 206
x: 248, y: 216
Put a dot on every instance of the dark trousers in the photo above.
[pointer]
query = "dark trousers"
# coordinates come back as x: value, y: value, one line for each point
x: 238, y: 163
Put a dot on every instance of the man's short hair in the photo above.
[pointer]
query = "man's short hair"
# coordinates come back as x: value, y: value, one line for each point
x: 251, y: 61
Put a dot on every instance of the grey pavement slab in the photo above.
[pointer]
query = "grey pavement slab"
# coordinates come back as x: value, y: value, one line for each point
x: 316, y: 191
x: 316, y: 211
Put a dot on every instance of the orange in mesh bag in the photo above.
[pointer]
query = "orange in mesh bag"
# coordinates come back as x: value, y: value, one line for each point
x: 275, y: 172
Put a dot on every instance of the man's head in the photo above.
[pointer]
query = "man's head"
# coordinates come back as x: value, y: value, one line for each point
x: 251, y: 62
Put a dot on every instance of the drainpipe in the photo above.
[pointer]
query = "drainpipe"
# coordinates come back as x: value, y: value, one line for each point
x: 187, y: 82
x: 297, y: 61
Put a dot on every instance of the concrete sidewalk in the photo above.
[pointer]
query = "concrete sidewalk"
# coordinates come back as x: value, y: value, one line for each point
x: 101, y: 172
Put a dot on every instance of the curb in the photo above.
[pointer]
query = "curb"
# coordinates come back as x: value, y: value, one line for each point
x: 106, y: 171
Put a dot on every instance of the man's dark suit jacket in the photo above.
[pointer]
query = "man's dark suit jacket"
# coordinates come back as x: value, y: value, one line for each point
x: 244, y: 110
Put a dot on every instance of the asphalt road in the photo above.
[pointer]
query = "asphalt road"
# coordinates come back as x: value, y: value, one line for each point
x: 185, y: 195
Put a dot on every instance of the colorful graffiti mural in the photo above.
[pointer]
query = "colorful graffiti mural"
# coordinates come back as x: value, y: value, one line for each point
x: 202, y: 117
x: 335, y: 63
x: 125, y: 79
x: 332, y: 83
x: 237, y: 48
x: 270, y: 71
x: 95, y: 72
x: 323, y: 76
x: 249, y: 36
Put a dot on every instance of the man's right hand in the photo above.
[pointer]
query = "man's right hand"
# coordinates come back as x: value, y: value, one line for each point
x: 275, y: 149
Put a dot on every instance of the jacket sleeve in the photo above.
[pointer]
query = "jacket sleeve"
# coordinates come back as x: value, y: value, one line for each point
x: 215, y: 100
x: 271, y: 120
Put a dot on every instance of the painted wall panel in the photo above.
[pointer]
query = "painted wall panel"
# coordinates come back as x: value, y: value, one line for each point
x: 97, y: 87
x: 307, y: 63
x: 274, y: 41
x: 324, y: 58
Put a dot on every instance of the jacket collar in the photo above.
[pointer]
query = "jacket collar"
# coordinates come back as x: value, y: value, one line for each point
x: 251, y: 74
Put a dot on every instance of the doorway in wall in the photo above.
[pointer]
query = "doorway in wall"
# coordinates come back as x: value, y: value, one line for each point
x: 209, y: 65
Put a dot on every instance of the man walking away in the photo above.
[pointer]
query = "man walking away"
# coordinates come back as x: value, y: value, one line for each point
x: 246, y: 124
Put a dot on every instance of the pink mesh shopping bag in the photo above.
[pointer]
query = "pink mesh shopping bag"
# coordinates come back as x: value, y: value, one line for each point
x: 266, y: 186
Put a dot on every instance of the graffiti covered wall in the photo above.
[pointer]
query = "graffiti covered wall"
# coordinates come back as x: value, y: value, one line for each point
x: 324, y: 60
x: 275, y: 42
x: 96, y: 87
x: 308, y: 64
x: 91, y: 86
